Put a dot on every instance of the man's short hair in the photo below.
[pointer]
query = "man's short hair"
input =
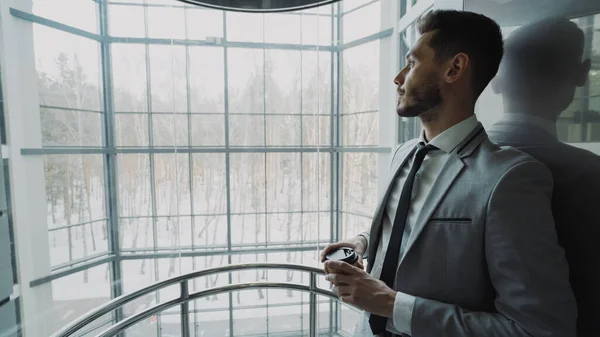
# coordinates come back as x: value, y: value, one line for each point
x: 466, y: 32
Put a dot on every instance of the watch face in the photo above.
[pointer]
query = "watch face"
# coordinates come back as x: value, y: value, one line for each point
x: 260, y: 6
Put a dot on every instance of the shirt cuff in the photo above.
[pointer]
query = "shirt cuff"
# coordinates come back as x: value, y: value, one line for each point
x: 367, y: 237
x: 403, y: 310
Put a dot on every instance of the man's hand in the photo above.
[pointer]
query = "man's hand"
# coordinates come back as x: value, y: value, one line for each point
x: 356, y: 287
x: 358, y: 243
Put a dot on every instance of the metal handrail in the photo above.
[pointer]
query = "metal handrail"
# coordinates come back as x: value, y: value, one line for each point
x: 186, y: 296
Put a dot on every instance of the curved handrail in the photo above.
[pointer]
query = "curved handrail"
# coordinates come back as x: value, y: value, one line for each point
x: 124, y: 324
x: 118, y: 302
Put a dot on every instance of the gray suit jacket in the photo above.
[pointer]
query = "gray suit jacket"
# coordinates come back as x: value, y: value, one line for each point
x: 485, y: 261
x: 576, y: 174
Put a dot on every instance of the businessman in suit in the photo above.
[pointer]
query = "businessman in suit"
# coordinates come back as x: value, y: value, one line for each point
x: 541, y: 68
x: 463, y: 241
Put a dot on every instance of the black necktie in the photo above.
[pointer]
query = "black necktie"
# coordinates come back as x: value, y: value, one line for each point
x: 390, y: 262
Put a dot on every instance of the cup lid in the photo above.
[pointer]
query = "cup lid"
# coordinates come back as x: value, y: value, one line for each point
x: 345, y: 254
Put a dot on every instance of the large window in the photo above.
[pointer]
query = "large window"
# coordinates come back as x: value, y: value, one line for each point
x: 176, y: 138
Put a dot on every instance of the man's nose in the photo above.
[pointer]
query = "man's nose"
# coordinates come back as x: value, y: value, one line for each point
x: 399, y: 80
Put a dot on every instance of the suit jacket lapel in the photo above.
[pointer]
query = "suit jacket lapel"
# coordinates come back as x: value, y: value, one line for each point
x: 450, y: 171
x: 399, y: 161
x: 452, y: 168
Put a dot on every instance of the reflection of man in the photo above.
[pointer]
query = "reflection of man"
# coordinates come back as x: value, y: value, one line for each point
x: 463, y: 242
x: 537, y: 79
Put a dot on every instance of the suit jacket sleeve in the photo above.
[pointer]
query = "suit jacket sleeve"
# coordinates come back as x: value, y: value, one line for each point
x: 526, y: 265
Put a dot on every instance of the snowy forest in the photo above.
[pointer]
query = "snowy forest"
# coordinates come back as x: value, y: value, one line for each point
x: 277, y: 198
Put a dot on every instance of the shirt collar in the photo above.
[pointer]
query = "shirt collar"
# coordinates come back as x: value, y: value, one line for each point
x: 542, y: 123
x: 450, y: 138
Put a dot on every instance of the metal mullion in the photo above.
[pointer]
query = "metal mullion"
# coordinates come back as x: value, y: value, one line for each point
x: 336, y: 172
x: 233, y: 44
x: 110, y: 161
x: 69, y: 109
x: 227, y: 165
x: 360, y: 7
x: 302, y: 169
x: 370, y: 38
x: 54, y: 24
x: 151, y: 156
x: 53, y: 229
x: 190, y: 156
x: 265, y: 155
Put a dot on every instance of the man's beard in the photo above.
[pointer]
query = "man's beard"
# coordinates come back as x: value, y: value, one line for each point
x: 426, y: 99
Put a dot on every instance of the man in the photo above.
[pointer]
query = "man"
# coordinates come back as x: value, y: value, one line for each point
x: 541, y: 68
x: 463, y: 241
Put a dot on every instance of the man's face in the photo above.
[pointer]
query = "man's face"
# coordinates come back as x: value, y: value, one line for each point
x: 418, y: 83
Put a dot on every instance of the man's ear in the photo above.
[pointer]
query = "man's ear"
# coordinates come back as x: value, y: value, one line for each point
x: 456, y: 68
x: 582, y: 72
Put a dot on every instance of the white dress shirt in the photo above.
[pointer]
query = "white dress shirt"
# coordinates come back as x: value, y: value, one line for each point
x: 424, y: 179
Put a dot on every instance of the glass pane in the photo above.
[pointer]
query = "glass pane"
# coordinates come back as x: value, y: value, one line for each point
x: 69, y: 71
x: 246, y: 130
x: 136, y: 233
x: 316, y: 130
x: 207, y: 79
x: 138, y: 274
x: 238, y: 23
x: 76, y: 294
x: 60, y: 10
x: 168, y: 78
x: 362, y: 22
x: 166, y: 22
x: 75, y: 195
x: 248, y: 229
x: 251, y: 321
x: 126, y: 21
x: 174, y: 232
x: 316, y: 82
x: 316, y: 227
x: 129, y: 78
x: 361, y: 129
x: 89, y: 239
x: 172, y: 184
x: 316, y: 181
x: 352, y: 4
x: 70, y: 128
x: 284, y: 229
x: 209, y: 183
x: 246, y: 80
x: 361, y: 78
x: 282, y: 75
x: 284, y: 182
x: 283, y: 130
x: 204, y: 23
x: 133, y: 173
x: 208, y: 130
x: 169, y: 130
x: 360, y: 183
x: 283, y: 28
x: 316, y: 30
x: 210, y: 313
x: 247, y: 178
x: 77, y: 241
x: 131, y: 129
x: 210, y: 232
